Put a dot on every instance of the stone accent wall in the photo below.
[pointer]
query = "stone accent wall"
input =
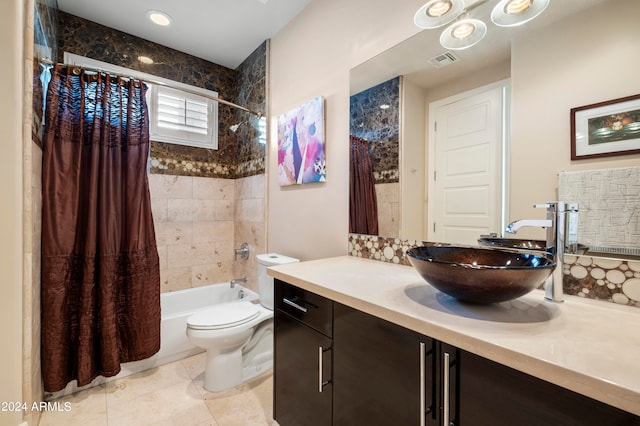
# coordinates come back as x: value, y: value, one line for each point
x: 238, y: 155
x: 380, y: 127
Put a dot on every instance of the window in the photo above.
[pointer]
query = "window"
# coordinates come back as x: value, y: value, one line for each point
x: 181, y: 117
x: 185, y: 117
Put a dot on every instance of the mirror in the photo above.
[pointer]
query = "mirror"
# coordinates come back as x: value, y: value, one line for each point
x: 503, y: 54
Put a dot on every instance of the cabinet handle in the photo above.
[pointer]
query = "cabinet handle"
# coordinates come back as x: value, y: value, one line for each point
x: 445, y: 381
x: 423, y: 382
x: 321, y: 383
x: 294, y: 304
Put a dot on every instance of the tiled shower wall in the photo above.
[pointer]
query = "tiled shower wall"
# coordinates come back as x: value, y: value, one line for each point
x: 199, y: 221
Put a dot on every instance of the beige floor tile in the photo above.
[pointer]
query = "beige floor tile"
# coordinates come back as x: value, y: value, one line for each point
x: 249, y: 404
x: 88, y: 407
x: 177, y: 404
x: 130, y: 387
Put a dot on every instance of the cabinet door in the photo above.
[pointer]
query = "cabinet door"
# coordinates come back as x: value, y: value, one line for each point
x: 377, y: 371
x: 493, y: 394
x: 302, y: 373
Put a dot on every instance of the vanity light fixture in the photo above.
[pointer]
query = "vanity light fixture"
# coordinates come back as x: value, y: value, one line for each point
x: 436, y: 13
x: 466, y: 32
x: 159, y: 18
x: 463, y: 34
x: 510, y: 13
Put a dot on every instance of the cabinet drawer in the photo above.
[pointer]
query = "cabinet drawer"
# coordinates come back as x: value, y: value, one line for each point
x: 307, y: 307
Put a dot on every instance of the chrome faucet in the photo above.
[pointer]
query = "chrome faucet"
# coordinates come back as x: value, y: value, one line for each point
x: 513, y: 227
x: 243, y: 252
x: 237, y: 281
x: 555, y: 226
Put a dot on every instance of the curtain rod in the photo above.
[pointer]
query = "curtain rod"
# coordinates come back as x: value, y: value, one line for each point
x: 160, y: 83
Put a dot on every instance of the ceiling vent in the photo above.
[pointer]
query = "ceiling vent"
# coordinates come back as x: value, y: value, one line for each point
x: 443, y: 59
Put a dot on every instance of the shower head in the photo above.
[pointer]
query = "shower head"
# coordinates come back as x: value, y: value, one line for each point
x: 235, y: 127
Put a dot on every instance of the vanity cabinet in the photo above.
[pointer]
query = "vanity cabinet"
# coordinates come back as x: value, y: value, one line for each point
x: 337, y: 365
x: 379, y: 368
x: 493, y: 394
x: 303, y: 323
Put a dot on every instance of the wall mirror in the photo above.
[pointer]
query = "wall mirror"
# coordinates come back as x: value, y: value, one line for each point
x: 427, y: 73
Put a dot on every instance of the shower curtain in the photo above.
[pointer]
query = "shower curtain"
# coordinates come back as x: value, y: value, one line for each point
x: 363, y: 205
x: 100, y: 269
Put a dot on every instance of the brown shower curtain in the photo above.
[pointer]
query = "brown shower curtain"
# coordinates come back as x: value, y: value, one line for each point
x: 363, y: 205
x: 100, y: 270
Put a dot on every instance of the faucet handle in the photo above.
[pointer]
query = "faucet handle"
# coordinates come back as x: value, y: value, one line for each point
x: 546, y: 205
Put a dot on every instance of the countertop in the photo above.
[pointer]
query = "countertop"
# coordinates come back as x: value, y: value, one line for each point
x: 590, y: 347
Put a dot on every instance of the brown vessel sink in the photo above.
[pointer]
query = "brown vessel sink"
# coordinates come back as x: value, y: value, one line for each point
x: 481, y: 275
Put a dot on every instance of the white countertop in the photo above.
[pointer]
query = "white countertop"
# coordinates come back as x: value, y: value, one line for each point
x: 590, y: 347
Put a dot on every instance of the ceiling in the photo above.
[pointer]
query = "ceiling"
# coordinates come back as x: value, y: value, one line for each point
x: 411, y: 57
x: 225, y: 32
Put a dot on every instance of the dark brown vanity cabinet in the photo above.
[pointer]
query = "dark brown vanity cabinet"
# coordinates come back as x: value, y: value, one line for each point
x: 493, y: 394
x: 379, y: 368
x: 303, y: 342
x: 337, y: 365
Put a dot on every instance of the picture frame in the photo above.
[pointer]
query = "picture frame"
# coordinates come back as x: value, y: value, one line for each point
x: 301, y: 144
x: 606, y: 129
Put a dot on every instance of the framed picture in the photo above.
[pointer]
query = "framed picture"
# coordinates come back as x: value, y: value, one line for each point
x: 301, y: 154
x: 606, y: 128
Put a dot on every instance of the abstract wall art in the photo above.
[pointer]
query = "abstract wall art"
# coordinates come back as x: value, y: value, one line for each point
x: 301, y: 145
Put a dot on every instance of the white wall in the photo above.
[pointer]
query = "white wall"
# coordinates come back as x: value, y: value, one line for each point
x: 588, y: 59
x: 552, y: 71
x: 11, y: 75
x: 312, y: 57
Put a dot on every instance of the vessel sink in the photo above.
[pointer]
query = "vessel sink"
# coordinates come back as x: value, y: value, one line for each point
x: 481, y: 275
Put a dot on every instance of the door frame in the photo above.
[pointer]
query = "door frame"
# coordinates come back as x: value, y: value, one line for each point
x: 505, y: 144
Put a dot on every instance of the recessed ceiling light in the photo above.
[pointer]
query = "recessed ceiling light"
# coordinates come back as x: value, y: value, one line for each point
x: 145, y: 60
x: 159, y: 18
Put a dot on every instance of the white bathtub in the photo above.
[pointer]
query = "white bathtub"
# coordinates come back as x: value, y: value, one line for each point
x: 176, y: 307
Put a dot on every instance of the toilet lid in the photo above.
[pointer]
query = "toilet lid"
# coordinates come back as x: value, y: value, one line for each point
x: 224, y: 316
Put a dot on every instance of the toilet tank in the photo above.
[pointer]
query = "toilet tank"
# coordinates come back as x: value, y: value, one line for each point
x: 265, y: 282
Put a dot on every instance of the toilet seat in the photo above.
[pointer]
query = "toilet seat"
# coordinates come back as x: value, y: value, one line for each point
x: 226, y: 315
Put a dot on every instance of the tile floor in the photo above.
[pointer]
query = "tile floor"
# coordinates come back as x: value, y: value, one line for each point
x: 172, y: 394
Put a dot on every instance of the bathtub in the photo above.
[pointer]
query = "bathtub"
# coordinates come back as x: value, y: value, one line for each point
x: 176, y: 307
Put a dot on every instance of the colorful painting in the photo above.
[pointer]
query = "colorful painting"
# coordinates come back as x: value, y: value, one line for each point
x: 301, y: 156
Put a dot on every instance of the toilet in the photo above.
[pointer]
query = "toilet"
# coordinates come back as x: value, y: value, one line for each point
x: 238, y: 336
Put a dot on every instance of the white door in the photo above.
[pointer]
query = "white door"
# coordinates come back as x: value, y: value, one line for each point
x: 466, y: 186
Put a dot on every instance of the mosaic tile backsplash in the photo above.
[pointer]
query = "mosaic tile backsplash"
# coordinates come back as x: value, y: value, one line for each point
x: 239, y: 154
x: 609, y: 206
x: 599, y: 278
x: 379, y: 126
